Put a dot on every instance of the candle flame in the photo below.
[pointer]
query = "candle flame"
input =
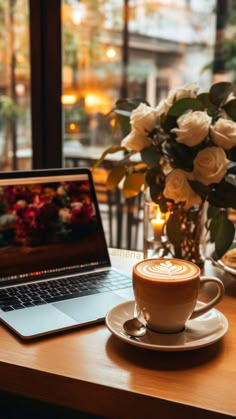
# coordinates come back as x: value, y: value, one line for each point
x: 160, y: 216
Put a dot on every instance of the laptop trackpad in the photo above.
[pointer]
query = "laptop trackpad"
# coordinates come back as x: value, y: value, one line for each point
x: 91, y: 308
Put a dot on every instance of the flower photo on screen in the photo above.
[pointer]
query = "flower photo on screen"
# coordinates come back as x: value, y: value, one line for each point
x: 36, y: 214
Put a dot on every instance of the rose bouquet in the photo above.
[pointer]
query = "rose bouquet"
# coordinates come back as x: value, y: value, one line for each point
x: 187, y: 150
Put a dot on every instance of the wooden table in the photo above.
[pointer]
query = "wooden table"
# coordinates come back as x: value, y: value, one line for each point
x: 92, y: 371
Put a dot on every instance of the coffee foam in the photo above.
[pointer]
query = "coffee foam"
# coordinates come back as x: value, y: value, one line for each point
x: 172, y: 269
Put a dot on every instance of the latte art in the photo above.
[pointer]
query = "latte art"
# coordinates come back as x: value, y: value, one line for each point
x: 167, y: 269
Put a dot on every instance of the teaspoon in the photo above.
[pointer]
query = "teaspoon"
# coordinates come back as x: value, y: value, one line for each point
x: 133, y: 327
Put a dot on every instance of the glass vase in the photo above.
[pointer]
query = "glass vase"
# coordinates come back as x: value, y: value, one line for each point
x: 186, y: 233
x: 179, y: 233
x: 154, y: 237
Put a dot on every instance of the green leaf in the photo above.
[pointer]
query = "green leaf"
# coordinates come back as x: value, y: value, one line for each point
x: 230, y: 109
x: 212, y: 211
x: 213, y: 227
x: 151, y: 156
x: 115, y: 176
x: 132, y: 184
x: 152, y: 175
x: 124, y: 122
x: 204, y: 98
x: 9, y: 108
x: 224, y: 235
x: 231, y: 154
x: 129, y: 104
x: 178, y: 109
x: 222, y: 195
x: 163, y: 204
x: 111, y: 150
x: 219, y: 92
x: 182, y: 155
x: 156, y: 192
x: 199, y: 188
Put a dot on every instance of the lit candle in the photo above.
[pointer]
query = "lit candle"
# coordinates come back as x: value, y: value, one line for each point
x: 157, y: 225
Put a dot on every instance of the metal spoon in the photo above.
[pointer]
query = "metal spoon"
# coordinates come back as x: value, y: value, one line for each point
x: 133, y: 327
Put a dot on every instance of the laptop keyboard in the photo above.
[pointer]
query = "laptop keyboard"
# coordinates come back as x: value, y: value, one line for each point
x: 22, y: 296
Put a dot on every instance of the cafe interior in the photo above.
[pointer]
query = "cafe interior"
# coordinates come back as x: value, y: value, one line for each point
x: 142, y: 93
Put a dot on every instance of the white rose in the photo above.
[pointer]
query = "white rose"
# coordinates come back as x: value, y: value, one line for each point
x: 135, y: 141
x: 143, y: 119
x: 224, y: 133
x: 178, y: 189
x: 193, y: 128
x: 186, y: 91
x: 210, y: 165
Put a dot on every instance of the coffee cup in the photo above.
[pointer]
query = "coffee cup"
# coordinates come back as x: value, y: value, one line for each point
x: 166, y: 293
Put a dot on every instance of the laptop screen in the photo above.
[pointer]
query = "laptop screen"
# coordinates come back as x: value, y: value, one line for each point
x: 49, y: 224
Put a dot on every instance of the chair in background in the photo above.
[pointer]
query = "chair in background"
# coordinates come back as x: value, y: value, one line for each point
x: 124, y: 216
x: 133, y: 208
x: 110, y: 206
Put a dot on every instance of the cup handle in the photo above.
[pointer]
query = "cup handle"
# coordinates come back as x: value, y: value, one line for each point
x: 221, y: 290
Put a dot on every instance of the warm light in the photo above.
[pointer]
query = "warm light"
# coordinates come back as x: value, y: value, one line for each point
x: 158, y: 224
x: 72, y: 127
x: 110, y: 52
x: 79, y: 14
x: 92, y: 100
x: 20, y: 58
x: 96, y: 101
x: 69, y: 99
x: 76, y: 17
x: 20, y: 89
x: 113, y: 122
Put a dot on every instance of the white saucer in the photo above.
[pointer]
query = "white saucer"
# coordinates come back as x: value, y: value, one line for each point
x: 227, y: 268
x: 200, y: 332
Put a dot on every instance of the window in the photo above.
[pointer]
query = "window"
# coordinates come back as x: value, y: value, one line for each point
x: 80, y: 56
x: 15, y: 125
x: 128, y: 48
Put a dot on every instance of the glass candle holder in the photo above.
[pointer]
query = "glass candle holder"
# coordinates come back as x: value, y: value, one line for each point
x: 154, y: 238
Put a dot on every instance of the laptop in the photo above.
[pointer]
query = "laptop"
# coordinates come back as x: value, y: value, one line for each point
x: 55, y: 270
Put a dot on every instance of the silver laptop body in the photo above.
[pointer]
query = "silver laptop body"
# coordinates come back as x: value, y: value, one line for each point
x: 51, y: 233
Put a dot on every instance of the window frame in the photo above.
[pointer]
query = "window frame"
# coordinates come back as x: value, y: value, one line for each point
x: 46, y: 83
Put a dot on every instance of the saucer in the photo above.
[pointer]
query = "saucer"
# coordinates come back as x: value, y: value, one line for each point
x: 226, y: 268
x: 202, y: 331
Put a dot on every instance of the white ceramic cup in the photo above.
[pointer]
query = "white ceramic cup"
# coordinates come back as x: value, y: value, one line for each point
x: 166, y: 293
